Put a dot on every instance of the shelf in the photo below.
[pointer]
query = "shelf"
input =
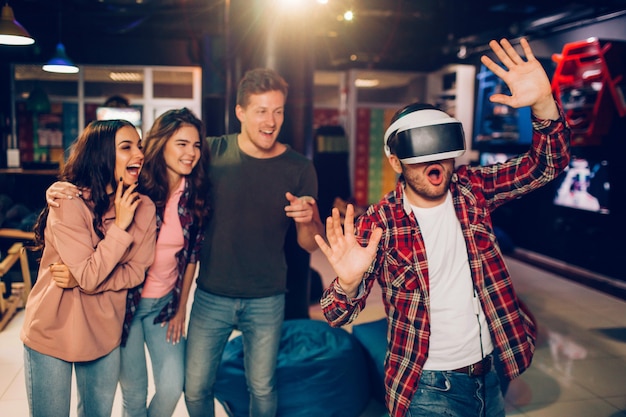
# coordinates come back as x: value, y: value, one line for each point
x: 22, y: 171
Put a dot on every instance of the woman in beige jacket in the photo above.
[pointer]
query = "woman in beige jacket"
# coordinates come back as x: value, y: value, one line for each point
x: 106, y: 238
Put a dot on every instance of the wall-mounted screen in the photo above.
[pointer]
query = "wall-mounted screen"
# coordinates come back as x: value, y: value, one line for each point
x: 497, y: 124
x: 584, y: 185
x: 490, y: 158
x: 131, y: 114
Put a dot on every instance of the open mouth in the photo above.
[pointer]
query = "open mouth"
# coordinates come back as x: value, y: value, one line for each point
x: 134, y: 169
x: 434, y: 174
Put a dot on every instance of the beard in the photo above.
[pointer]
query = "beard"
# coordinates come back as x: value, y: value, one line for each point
x: 429, y: 182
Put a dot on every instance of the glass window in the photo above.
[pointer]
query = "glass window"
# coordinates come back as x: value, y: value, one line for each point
x: 27, y: 77
x: 173, y: 84
x: 104, y: 82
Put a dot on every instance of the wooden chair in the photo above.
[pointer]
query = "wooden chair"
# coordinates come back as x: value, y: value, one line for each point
x: 20, y: 290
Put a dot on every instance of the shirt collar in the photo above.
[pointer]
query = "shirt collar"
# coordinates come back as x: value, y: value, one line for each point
x: 181, y: 187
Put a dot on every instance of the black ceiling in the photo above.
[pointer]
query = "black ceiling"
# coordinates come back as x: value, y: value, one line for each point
x: 411, y: 35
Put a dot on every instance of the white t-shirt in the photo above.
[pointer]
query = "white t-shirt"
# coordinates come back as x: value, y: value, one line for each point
x: 455, y: 339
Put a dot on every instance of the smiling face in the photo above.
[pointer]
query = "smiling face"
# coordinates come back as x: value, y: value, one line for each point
x: 261, y: 121
x: 182, y: 152
x: 426, y: 183
x: 128, y: 155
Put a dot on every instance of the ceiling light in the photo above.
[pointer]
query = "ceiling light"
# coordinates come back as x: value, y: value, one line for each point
x: 366, y: 83
x: 60, y: 62
x: 126, y: 76
x: 11, y: 32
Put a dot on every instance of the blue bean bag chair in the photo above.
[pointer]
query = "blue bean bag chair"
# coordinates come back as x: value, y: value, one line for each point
x: 321, y: 371
x: 373, y: 338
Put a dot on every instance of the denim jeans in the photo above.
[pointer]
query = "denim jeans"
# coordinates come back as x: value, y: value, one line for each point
x: 446, y: 393
x: 49, y: 384
x: 168, y: 364
x: 211, y: 322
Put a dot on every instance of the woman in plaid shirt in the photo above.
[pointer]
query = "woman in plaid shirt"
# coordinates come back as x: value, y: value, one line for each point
x: 430, y: 244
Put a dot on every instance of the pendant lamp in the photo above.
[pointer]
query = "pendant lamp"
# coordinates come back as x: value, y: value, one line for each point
x: 60, y: 62
x: 11, y: 32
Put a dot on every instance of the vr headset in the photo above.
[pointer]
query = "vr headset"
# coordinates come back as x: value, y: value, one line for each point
x: 422, y: 133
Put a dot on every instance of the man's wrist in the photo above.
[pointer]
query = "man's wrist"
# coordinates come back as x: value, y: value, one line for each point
x: 546, y: 109
x: 351, y: 291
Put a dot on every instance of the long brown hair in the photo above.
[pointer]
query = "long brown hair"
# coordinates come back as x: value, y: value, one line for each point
x: 91, y: 166
x: 154, y: 179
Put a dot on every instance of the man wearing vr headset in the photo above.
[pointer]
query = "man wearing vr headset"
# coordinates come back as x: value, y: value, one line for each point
x: 451, y: 307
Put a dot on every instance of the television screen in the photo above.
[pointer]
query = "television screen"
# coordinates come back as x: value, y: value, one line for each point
x: 490, y: 158
x: 584, y: 185
x: 497, y: 124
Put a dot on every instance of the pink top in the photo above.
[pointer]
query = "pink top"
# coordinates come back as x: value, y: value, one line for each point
x: 85, y: 323
x: 163, y: 273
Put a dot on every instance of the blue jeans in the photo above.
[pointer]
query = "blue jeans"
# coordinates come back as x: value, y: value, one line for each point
x: 446, y: 393
x: 49, y: 384
x: 211, y: 322
x: 168, y: 364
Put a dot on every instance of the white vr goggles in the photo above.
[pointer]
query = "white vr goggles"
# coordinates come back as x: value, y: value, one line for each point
x: 422, y: 133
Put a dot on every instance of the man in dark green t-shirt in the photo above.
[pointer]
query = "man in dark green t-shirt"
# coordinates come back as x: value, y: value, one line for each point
x: 259, y: 187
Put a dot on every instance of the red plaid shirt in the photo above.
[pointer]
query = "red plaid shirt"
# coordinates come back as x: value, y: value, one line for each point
x: 401, y: 267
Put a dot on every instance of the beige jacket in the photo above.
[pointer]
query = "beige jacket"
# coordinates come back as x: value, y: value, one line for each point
x: 85, y: 323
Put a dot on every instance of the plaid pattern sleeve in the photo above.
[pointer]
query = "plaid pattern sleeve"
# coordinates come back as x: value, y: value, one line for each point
x: 133, y: 296
x: 547, y: 157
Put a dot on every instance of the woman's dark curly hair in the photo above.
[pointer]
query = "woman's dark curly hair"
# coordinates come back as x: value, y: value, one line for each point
x: 154, y: 179
x: 91, y: 165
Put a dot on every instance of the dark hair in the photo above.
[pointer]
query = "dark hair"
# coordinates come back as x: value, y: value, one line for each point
x: 91, y: 165
x: 410, y: 108
x: 154, y: 179
x: 258, y: 81
x: 117, y: 101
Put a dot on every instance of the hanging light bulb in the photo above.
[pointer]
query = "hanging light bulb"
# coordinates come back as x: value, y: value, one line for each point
x: 60, y: 62
x: 11, y: 32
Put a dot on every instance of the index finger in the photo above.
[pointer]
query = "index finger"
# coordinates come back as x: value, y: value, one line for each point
x: 131, y: 191
x: 290, y: 197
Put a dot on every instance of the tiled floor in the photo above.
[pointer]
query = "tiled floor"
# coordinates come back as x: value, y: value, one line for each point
x: 579, y: 369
